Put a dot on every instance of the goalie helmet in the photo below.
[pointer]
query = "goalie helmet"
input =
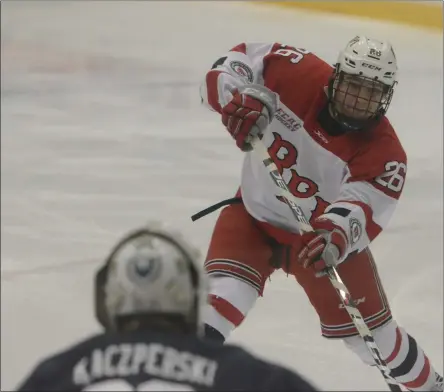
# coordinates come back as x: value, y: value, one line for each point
x: 150, y: 273
x: 362, y: 85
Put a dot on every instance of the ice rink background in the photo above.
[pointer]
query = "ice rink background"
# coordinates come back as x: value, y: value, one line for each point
x: 102, y: 129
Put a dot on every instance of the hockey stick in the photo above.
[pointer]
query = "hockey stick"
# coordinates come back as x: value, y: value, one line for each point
x: 304, y: 226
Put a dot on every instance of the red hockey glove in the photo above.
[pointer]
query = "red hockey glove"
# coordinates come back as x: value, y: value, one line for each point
x: 248, y: 113
x: 326, y: 246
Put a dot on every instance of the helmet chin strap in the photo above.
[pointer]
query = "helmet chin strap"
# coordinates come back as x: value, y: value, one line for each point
x: 346, y: 122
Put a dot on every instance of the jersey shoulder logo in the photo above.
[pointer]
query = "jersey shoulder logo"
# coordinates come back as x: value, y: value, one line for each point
x: 242, y: 69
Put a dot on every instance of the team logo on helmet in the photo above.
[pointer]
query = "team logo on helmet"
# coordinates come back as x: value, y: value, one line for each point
x: 144, y: 268
x: 354, y: 40
x: 375, y: 54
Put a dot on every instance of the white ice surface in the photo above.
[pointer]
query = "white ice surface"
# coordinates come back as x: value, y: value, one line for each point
x: 102, y: 129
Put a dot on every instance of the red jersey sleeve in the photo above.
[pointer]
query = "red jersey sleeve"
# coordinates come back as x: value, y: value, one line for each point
x: 243, y: 64
x: 372, y: 188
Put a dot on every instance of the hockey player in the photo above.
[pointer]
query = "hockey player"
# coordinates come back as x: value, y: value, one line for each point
x: 148, y: 297
x: 326, y: 130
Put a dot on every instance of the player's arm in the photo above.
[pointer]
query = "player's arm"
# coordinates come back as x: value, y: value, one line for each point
x: 366, y: 205
x: 242, y: 65
x: 46, y: 375
x: 234, y: 87
x: 35, y: 381
x: 367, y: 201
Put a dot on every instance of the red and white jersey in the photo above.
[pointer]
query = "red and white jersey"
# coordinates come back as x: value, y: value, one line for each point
x: 354, y: 179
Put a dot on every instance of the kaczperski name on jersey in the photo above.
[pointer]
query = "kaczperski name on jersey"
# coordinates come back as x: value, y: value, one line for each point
x: 156, y: 360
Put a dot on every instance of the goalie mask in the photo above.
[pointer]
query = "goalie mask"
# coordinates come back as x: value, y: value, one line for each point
x: 150, y: 273
x: 363, y: 82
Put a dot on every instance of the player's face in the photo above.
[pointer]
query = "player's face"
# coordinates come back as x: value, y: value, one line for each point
x: 357, y: 97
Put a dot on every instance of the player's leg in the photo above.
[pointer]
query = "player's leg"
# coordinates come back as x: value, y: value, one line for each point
x: 237, y: 263
x: 409, y: 364
x: 407, y: 361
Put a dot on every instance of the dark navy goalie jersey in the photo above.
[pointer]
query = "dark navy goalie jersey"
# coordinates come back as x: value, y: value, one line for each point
x: 155, y: 361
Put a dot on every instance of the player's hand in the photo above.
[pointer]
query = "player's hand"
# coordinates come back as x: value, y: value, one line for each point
x: 248, y: 113
x: 324, y: 247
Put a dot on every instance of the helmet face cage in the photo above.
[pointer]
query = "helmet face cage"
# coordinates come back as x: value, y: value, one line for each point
x: 357, y: 102
x: 101, y: 311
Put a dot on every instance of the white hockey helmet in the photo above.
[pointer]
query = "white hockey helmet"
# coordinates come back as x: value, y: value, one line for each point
x: 151, y: 272
x: 363, y: 82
